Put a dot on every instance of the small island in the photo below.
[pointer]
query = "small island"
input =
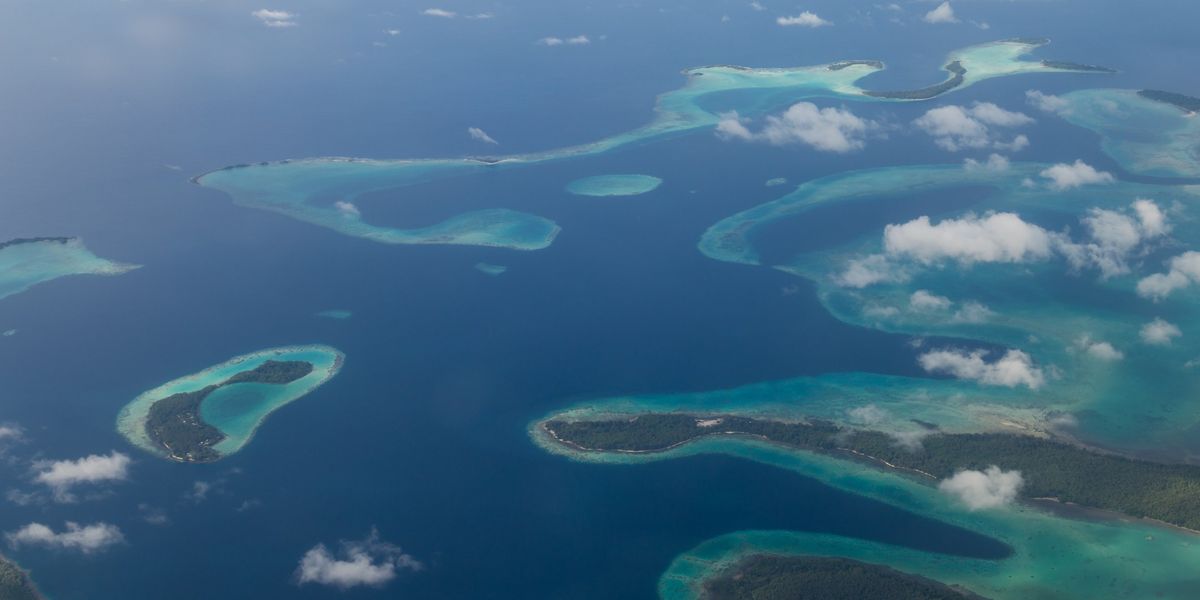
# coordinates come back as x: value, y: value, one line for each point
x: 207, y: 416
x: 1073, y: 66
x: 26, y: 262
x: 15, y: 583
x: 1053, y: 471
x: 1189, y: 104
x: 957, y: 76
x: 614, y: 185
x: 776, y: 577
x: 844, y: 64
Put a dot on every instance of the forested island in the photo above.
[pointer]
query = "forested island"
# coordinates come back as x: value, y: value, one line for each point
x: 842, y: 64
x: 1073, y: 66
x: 15, y: 583
x: 956, y: 79
x: 1188, y: 103
x: 1052, y: 470
x: 33, y: 240
x: 775, y: 577
x: 175, y: 424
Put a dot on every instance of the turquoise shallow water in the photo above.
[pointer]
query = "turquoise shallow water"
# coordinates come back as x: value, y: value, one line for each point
x: 613, y: 185
x: 25, y: 265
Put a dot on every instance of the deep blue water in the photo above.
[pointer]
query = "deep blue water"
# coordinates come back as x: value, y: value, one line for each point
x: 423, y: 433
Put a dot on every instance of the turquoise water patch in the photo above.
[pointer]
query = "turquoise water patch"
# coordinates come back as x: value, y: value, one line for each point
x: 613, y: 185
x: 336, y: 313
x: 1145, y: 136
x: 490, y: 269
x: 24, y: 264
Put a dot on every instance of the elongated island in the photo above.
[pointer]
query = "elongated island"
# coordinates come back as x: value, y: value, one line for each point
x: 209, y: 415
x: 780, y: 577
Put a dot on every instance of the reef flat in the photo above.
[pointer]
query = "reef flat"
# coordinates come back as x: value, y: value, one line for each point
x: 15, y: 584
x: 490, y: 269
x: 1148, y: 132
x: 325, y: 191
x: 26, y: 262
x: 613, y: 185
x: 1051, y: 469
x: 774, y: 577
x: 209, y: 415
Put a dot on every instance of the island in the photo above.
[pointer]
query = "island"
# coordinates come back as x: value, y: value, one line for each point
x: 845, y: 64
x: 778, y: 577
x: 614, y: 185
x: 26, y: 262
x: 15, y: 583
x: 957, y: 76
x: 1073, y: 66
x: 1053, y: 470
x: 207, y: 416
x: 490, y: 269
x: 1189, y: 104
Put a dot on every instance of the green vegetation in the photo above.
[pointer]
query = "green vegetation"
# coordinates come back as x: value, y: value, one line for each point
x: 15, y: 583
x: 1032, y: 41
x: 773, y: 577
x: 1187, y: 103
x: 842, y: 64
x: 1071, y: 66
x: 175, y: 422
x: 33, y: 240
x: 957, y: 72
x: 1050, y: 469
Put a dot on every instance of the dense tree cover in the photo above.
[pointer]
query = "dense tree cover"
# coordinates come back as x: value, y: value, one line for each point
x: 273, y: 371
x: 1073, y: 66
x: 175, y: 422
x: 957, y: 72
x: 842, y: 64
x: 1188, y: 103
x: 1050, y: 469
x: 33, y: 240
x: 15, y: 583
x: 773, y: 577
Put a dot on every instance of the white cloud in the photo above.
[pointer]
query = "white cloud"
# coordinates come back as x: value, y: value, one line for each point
x: 550, y: 41
x: 868, y: 415
x: 62, y: 475
x: 1115, y: 236
x: 1159, y: 332
x: 995, y: 163
x: 579, y: 40
x: 481, y: 135
x: 1011, y: 370
x: 957, y: 128
x: 996, y: 237
x: 804, y: 19
x: 392, y: 32
x: 437, y: 12
x: 347, y: 208
x: 825, y: 129
x: 757, y: 6
x: 1098, y: 349
x: 368, y: 562
x: 11, y: 433
x: 1184, y: 271
x: 1047, y: 102
x: 275, y: 18
x: 86, y: 539
x: 990, y: 488
x: 923, y: 300
x: 1018, y: 143
x: 869, y: 270
x: 972, y: 312
x: 1064, y: 176
x: 1152, y: 219
x: 877, y: 311
x: 483, y: 16
x: 944, y: 13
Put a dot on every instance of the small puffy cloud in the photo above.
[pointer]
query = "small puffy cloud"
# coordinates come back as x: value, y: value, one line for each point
x: 994, y: 237
x: 438, y: 12
x: 756, y: 5
x: 550, y: 41
x: 990, y: 488
x: 972, y: 312
x: 1064, y: 176
x: 481, y: 135
x: 63, y: 475
x: 483, y: 16
x: 923, y: 300
x: 825, y: 129
x: 1152, y: 219
x: 804, y: 19
x: 1013, y: 369
x: 957, y: 128
x: 579, y: 40
x: 1098, y: 349
x: 1115, y: 236
x: 368, y: 562
x: 84, y: 538
x: 275, y: 18
x: 995, y: 163
x: 1047, y: 102
x: 868, y: 415
x: 1184, y: 270
x: 1159, y: 333
x: 944, y: 13
x: 869, y: 270
x: 347, y: 208
x: 11, y: 433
